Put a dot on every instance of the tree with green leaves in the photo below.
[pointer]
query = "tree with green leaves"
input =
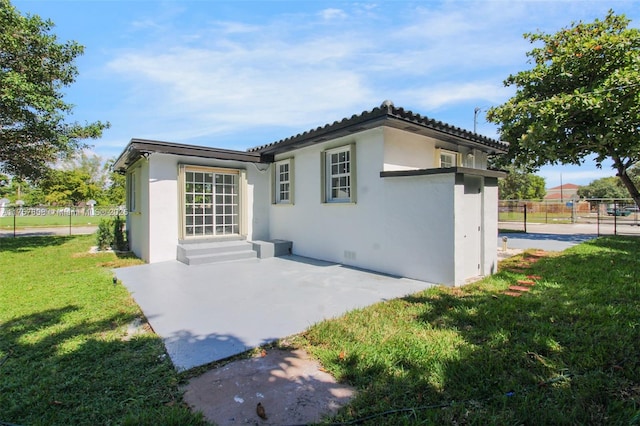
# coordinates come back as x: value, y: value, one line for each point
x: 63, y: 187
x: 634, y: 174
x: 34, y: 70
x: 114, y: 193
x: 520, y: 185
x: 606, y: 187
x: 581, y: 98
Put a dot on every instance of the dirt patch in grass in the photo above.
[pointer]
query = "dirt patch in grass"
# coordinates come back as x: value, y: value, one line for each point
x: 290, y: 386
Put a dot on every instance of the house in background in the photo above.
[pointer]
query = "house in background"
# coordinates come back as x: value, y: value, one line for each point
x: 565, y: 192
x: 386, y: 190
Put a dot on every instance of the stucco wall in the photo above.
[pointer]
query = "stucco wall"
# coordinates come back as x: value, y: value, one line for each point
x: 423, y: 227
x: 336, y: 232
x: 419, y: 227
x: 490, y: 240
x: 163, y: 207
x: 400, y: 226
x: 468, y: 227
x: 407, y: 151
x: 137, y: 221
x: 154, y: 230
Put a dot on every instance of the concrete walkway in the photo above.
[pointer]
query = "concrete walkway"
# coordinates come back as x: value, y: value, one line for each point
x: 210, y: 312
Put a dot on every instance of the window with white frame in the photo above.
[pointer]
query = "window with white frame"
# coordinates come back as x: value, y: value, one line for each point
x: 448, y: 159
x: 284, y: 182
x: 339, y: 175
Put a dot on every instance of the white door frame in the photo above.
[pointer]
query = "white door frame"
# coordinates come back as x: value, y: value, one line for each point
x: 222, y: 204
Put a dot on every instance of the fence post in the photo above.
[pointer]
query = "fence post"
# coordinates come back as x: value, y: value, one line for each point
x: 546, y: 212
x: 19, y: 205
x: 598, y: 217
x: 615, y: 217
x: 525, y: 218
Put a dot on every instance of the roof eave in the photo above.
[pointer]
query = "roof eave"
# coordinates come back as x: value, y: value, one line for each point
x: 385, y: 115
x: 139, y: 147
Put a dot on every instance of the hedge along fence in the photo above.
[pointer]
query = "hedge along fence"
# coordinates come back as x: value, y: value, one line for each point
x: 18, y: 217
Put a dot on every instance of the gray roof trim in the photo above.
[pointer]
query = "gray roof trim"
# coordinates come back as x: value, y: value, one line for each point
x: 445, y: 170
x: 386, y: 115
x: 141, y: 147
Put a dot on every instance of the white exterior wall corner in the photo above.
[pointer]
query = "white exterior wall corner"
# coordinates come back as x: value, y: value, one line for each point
x: 155, y: 231
x: 138, y: 221
x: 472, y: 211
x: 163, y: 207
x: 258, y: 200
x: 419, y: 227
x: 490, y: 240
x: 468, y: 228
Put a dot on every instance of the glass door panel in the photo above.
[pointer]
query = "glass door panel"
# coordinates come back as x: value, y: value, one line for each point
x: 211, y: 204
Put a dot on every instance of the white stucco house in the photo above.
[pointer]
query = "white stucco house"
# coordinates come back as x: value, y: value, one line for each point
x: 386, y: 190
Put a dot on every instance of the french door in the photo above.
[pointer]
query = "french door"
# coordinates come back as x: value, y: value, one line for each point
x: 211, y: 202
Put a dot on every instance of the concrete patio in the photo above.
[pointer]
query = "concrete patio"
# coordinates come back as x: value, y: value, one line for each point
x: 210, y: 312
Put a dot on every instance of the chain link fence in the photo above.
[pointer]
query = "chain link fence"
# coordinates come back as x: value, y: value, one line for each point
x: 606, y: 216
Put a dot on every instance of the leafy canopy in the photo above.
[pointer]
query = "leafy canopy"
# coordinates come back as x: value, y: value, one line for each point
x: 580, y: 98
x: 34, y: 68
x: 520, y: 185
x: 607, y: 187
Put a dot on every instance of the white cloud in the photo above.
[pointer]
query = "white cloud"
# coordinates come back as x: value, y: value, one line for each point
x: 331, y: 14
x: 440, y: 95
x: 298, y: 70
x: 222, y: 90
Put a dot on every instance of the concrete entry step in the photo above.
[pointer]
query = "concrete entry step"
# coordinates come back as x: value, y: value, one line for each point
x: 272, y: 248
x: 193, y: 253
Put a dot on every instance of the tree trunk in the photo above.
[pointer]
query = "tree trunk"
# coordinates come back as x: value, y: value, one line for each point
x: 627, y: 182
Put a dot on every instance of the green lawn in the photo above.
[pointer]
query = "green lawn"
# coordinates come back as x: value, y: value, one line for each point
x: 538, y: 217
x: 565, y: 353
x: 568, y: 352
x: 64, y: 353
x: 6, y: 222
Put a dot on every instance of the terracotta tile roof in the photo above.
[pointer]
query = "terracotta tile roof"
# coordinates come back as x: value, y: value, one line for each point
x: 385, y: 115
x: 564, y: 186
x: 554, y: 196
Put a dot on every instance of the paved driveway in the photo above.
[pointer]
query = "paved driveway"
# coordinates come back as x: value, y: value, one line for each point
x: 206, y: 313
x: 550, y: 237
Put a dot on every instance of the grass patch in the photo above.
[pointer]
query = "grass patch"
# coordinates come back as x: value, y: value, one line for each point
x: 564, y: 353
x: 535, y: 217
x: 65, y: 357
x: 6, y: 222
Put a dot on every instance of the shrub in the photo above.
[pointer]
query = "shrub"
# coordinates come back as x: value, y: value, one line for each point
x: 119, y: 238
x: 104, y: 237
x: 111, y: 234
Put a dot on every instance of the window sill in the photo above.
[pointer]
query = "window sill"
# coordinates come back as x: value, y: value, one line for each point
x: 339, y: 203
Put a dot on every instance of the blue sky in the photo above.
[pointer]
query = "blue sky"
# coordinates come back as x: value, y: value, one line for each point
x: 236, y: 74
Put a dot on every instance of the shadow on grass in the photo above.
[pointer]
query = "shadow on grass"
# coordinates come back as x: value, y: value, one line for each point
x: 84, y: 373
x: 24, y: 244
x: 564, y: 353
